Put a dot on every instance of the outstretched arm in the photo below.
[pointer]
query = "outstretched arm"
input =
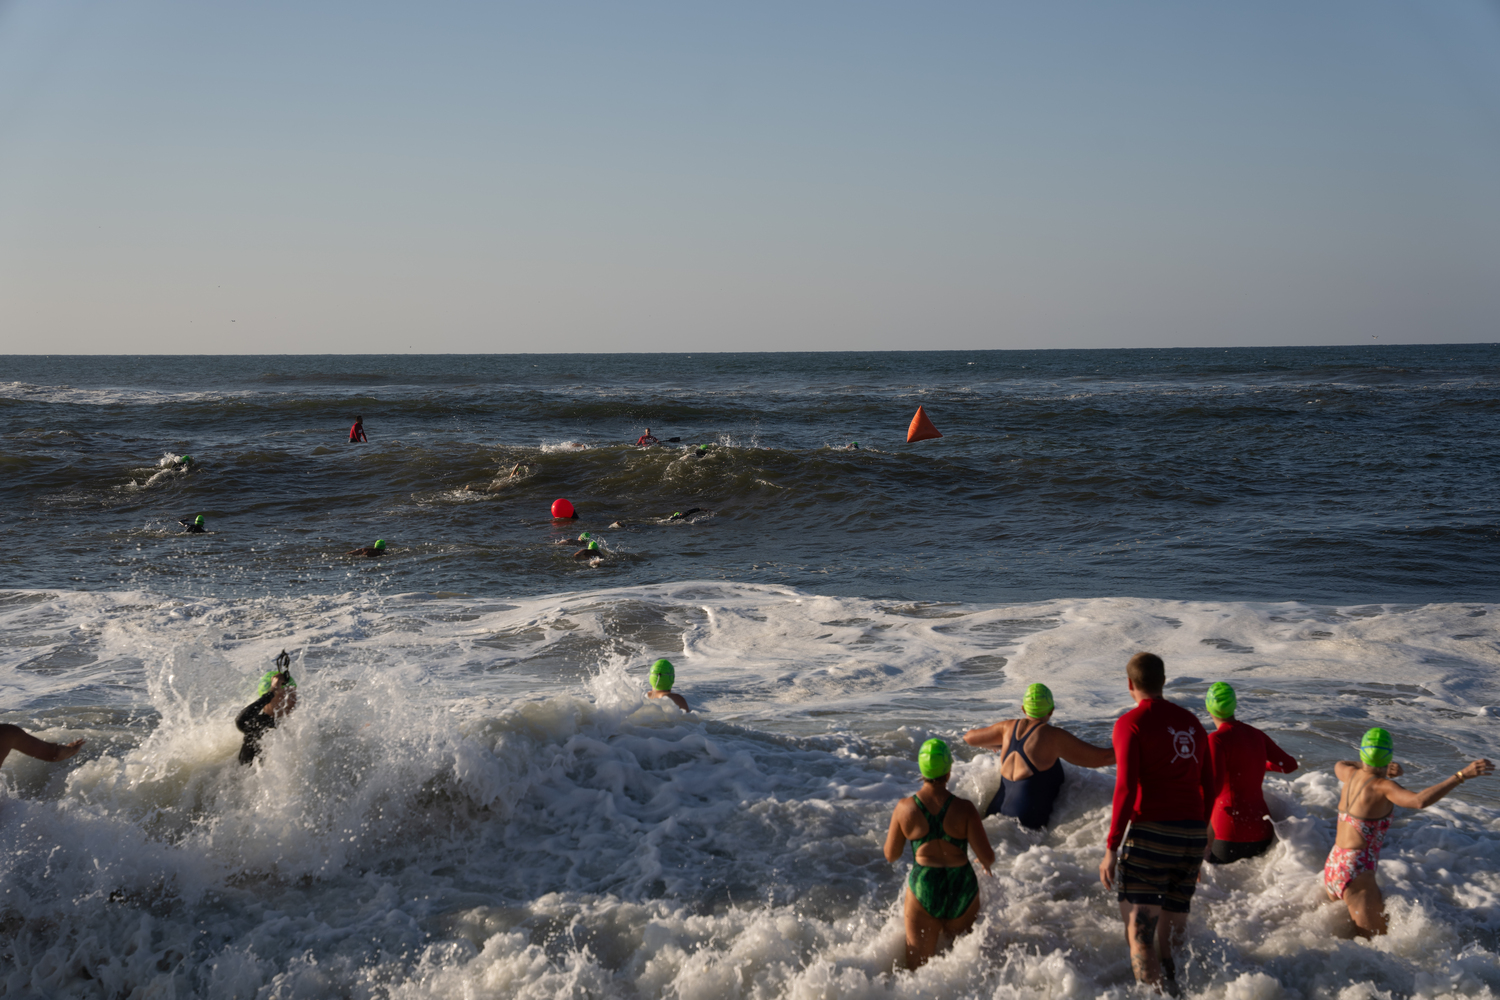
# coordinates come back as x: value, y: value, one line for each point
x: 1073, y: 750
x: 1278, y: 759
x: 991, y: 737
x: 1432, y: 793
x: 16, y: 738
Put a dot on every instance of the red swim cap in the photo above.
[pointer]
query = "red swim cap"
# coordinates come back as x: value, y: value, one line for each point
x: 561, y: 508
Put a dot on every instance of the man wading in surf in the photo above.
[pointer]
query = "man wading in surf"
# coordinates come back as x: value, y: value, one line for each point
x: 1164, y: 790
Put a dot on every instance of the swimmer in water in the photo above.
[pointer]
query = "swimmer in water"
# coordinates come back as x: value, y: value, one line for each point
x: 589, y: 551
x: 195, y: 526
x: 1242, y: 755
x: 357, y: 432
x: 1031, y: 755
x: 662, y: 677
x: 519, y: 468
x: 942, y: 892
x: 278, y: 696
x: 16, y: 738
x: 1365, y: 806
x: 585, y: 537
x: 183, y: 462
x: 684, y: 514
x: 371, y: 551
x: 646, y: 439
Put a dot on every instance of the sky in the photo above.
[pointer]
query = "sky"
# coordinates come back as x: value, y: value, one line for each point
x: 320, y: 176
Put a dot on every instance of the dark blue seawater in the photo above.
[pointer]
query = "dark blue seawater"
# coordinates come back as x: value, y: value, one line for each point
x: 1315, y: 474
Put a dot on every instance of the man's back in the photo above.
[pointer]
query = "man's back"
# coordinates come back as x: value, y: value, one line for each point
x: 1165, y: 773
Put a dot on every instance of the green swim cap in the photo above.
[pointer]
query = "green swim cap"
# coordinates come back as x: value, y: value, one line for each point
x: 593, y: 546
x: 198, y: 519
x: 268, y: 676
x: 1220, y: 700
x: 934, y: 760
x: 1038, y: 701
x: 380, y: 543
x: 662, y: 675
x: 186, y: 460
x: 1375, y: 748
x: 583, y: 537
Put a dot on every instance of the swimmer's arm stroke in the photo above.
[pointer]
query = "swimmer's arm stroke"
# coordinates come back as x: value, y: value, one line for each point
x: 16, y: 738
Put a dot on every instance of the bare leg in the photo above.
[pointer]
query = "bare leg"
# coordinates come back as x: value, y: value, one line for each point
x: 1169, y: 935
x: 921, y: 932
x: 1141, y: 924
x: 1366, y: 905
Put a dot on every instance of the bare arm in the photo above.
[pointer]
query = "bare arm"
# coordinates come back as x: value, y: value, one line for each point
x: 1432, y: 793
x: 16, y: 738
x: 1075, y: 751
x: 895, y: 838
x: 992, y: 737
x: 978, y: 839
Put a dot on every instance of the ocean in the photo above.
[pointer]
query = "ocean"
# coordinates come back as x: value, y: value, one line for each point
x: 474, y: 799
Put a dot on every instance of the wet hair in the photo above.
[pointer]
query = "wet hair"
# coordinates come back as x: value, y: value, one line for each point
x: 1147, y: 673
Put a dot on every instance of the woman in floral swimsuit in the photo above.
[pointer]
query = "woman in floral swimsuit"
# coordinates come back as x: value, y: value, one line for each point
x: 1365, y: 807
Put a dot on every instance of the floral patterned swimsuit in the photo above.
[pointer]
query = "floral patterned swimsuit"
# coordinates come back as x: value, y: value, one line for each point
x: 1344, y: 863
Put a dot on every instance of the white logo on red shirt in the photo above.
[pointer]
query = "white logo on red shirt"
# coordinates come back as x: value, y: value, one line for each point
x: 1184, y: 745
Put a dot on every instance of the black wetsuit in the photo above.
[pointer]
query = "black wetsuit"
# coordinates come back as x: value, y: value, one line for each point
x: 1027, y: 799
x: 253, y: 723
x: 684, y: 513
x: 194, y: 529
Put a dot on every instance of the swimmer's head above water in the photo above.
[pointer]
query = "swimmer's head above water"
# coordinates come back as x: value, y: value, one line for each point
x: 379, y: 544
x: 1376, y: 748
x: 934, y: 760
x: 1037, y: 704
x: 198, y: 520
x: 662, y: 675
x: 1220, y: 700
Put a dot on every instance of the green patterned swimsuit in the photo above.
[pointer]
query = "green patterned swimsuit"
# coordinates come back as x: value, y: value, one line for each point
x: 945, y: 893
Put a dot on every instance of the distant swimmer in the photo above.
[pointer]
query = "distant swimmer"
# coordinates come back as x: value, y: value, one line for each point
x: 584, y: 537
x: 520, y: 469
x: 1242, y: 755
x: 1164, y: 792
x: 277, y: 699
x: 357, y: 432
x: 589, y: 551
x: 1365, y: 806
x: 193, y: 527
x: 663, y: 675
x: 647, y: 439
x: 1030, y: 779
x: 183, y: 462
x: 681, y: 514
x: 16, y: 738
x: 942, y: 892
x: 371, y: 551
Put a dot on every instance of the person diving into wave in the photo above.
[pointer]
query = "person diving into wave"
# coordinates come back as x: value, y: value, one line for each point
x: 278, y: 696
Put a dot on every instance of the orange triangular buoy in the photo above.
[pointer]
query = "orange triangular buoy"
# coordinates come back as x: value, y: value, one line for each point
x: 921, y: 428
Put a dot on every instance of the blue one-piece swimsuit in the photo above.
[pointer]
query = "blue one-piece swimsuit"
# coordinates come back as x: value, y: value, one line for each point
x: 1029, y: 800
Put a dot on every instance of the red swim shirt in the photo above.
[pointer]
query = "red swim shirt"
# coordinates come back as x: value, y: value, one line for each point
x: 1164, y: 769
x: 1242, y: 755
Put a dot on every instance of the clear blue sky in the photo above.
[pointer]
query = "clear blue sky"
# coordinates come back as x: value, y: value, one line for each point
x: 202, y: 176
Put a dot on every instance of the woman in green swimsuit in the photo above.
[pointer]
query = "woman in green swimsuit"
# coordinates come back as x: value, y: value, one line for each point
x: 942, y: 893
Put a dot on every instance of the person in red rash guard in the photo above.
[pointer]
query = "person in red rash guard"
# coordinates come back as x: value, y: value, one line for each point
x: 647, y: 439
x: 1164, y: 791
x: 1241, y: 755
x: 357, y: 432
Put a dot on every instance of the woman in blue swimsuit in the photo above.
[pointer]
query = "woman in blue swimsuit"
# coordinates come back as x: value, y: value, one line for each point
x: 942, y: 893
x: 1031, y: 755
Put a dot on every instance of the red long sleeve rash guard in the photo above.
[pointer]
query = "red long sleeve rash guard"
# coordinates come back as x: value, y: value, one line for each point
x: 1242, y: 755
x: 1164, y: 771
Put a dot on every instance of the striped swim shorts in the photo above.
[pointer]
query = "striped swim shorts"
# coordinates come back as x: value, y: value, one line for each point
x: 1159, y: 864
